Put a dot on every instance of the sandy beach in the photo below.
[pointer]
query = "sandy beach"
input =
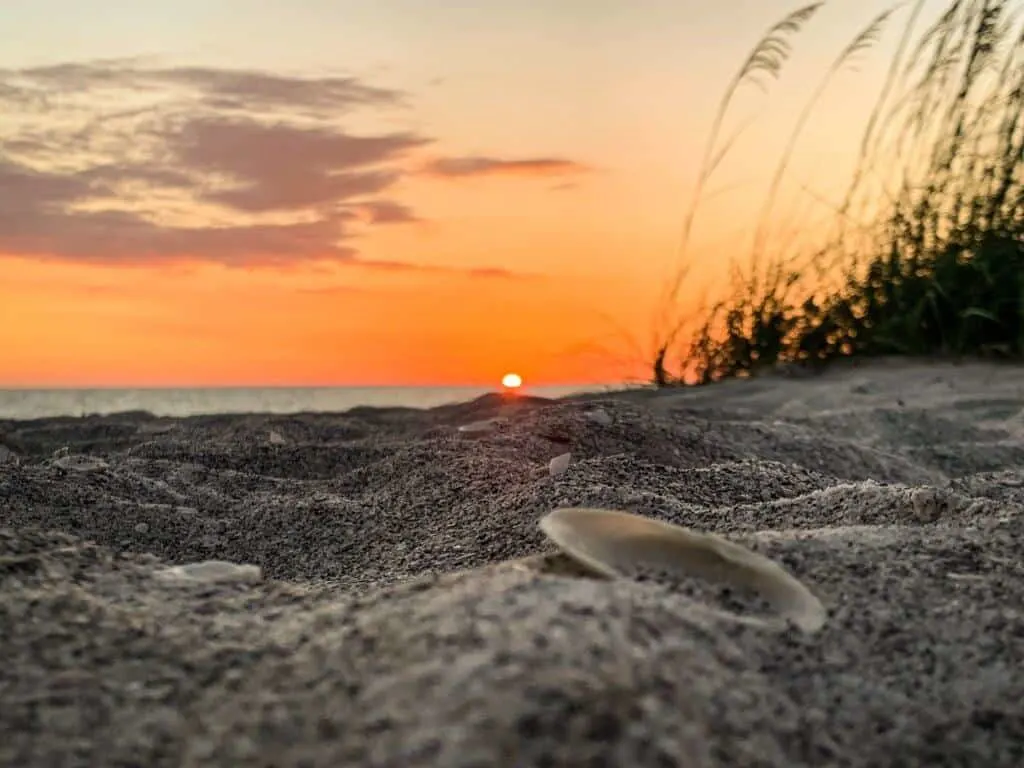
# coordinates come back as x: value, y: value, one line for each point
x: 393, y: 602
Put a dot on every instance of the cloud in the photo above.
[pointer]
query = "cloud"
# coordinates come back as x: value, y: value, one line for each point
x: 119, y: 237
x: 331, y: 290
x: 499, y: 273
x: 245, y: 90
x: 121, y: 163
x: 23, y: 189
x: 454, y: 167
x: 125, y: 162
x: 488, y: 273
x: 283, y: 167
x: 388, y: 212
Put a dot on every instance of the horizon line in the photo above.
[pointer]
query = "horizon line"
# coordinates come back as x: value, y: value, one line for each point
x: 525, y: 388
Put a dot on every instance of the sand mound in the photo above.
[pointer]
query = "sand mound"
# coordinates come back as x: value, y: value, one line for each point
x: 373, y: 589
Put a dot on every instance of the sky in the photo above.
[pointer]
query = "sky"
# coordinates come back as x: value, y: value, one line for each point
x: 364, y: 192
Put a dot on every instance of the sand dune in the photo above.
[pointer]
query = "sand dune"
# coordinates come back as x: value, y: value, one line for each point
x: 408, y: 611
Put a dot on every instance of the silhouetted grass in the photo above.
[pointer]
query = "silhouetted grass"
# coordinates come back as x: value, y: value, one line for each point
x: 928, y: 257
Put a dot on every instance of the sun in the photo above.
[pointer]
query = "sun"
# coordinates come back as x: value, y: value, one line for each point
x: 511, y: 381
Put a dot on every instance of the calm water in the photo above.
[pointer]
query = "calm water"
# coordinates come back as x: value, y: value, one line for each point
x: 38, y: 403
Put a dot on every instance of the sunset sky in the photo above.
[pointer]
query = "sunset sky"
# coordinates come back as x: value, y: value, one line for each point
x: 206, y: 192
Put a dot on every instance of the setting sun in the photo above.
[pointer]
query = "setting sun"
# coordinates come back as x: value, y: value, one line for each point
x: 511, y: 381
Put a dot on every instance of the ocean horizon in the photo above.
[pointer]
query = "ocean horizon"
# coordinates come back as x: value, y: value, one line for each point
x: 193, y: 401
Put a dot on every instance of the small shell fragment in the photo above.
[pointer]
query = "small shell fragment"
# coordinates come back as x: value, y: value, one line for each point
x: 484, y: 425
x: 611, y: 542
x: 599, y: 416
x: 80, y: 463
x: 210, y: 572
x: 559, y: 464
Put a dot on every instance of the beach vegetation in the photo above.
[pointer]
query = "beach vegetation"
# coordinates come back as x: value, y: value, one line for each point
x: 924, y: 256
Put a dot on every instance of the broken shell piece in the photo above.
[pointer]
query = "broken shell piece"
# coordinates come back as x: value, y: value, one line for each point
x: 210, y: 572
x: 599, y: 416
x: 80, y: 463
x: 7, y: 456
x: 484, y: 425
x: 559, y: 464
x: 612, y: 542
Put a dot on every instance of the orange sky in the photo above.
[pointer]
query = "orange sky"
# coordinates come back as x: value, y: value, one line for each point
x: 360, y: 193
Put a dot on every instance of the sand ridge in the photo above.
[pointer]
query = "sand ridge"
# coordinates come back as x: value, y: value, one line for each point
x: 391, y: 621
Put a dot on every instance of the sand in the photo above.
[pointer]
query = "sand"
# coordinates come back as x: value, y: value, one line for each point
x: 402, y: 608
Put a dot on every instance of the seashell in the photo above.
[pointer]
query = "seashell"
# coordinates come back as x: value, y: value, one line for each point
x: 80, y: 463
x: 210, y: 572
x: 484, y: 425
x: 559, y: 464
x: 599, y: 416
x: 7, y: 456
x: 609, y: 542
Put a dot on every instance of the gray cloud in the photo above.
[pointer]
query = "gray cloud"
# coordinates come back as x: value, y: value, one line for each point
x: 80, y: 167
x: 493, y: 166
x: 112, y: 236
x: 283, y: 167
x: 388, y: 212
x: 495, y: 273
x: 246, y: 90
x: 102, y: 161
x: 23, y: 189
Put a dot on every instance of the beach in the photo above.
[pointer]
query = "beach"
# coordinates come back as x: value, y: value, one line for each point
x: 372, y: 588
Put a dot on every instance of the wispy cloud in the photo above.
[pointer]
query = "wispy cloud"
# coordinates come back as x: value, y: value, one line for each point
x: 121, y: 163
x: 454, y: 167
x: 500, y: 273
x: 283, y: 167
x: 387, y: 212
x: 124, y: 162
x: 331, y: 290
x: 244, y: 90
x: 485, y: 273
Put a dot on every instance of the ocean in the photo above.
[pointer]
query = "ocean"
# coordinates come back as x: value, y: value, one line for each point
x: 42, y: 403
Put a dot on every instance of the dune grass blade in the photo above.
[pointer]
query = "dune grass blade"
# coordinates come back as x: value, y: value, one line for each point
x: 765, y: 61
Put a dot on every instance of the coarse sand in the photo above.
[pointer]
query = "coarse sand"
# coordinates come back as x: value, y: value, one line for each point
x: 372, y: 588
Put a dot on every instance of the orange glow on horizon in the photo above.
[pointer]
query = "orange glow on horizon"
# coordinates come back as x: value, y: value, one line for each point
x: 68, y: 325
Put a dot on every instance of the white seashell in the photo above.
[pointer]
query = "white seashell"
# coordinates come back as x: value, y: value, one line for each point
x: 210, y: 571
x: 609, y: 542
x: 559, y: 464
x: 80, y: 463
x: 484, y: 425
x: 7, y: 456
x: 599, y: 416
x: 275, y: 438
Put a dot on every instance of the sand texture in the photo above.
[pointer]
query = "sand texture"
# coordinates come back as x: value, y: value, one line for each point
x: 402, y: 607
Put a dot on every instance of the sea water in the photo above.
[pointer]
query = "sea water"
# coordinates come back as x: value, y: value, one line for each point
x: 42, y: 403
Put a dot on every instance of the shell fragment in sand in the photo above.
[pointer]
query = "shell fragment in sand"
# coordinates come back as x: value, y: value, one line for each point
x: 598, y: 415
x: 484, y: 425
x: 80, y: 463
x: 210, y: 572
x: 559, y: 464
x: 611, y: 542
